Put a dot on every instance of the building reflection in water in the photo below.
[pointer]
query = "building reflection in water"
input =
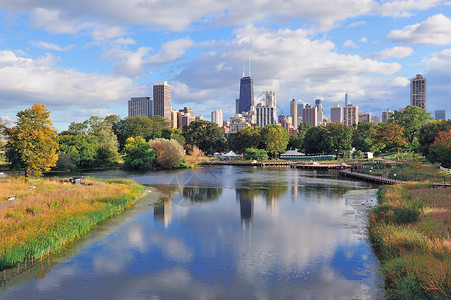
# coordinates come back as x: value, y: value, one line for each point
x: 246, y: 206
x: 163, y: 212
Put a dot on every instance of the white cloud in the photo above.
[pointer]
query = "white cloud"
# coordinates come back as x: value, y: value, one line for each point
x: 363, y: 40
x: 356, y: 24
x: 51, y: 46
x: 350, y: 44
x: 404, y: 8
x: 53, y: 21
x: 436, y: 30
x: 395, y: 52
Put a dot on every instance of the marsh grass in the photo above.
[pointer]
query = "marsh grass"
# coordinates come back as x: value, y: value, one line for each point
x: 56, y: 218
x: 410, y: 232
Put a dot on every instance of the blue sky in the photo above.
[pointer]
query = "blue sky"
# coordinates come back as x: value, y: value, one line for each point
x: 88, y: 57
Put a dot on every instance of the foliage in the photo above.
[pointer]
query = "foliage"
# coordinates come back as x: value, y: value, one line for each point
x: 81, y: 149
x: 340, y: 137
x: 295, y: 142
x: 205, y: 135
x: 363, y: 136
x: 317, y: 140
x: 427, y: 135
x: 442, y: 148
x: 391, y: 136
x: 138, y: 154
x: 412, y: 118
x: 195, y: 157
x: 255, y: 154
x: 49, y: 221
x: 249, y: 137
x: 275, y: 138
x: 31, y: 142
x: 169, y: 153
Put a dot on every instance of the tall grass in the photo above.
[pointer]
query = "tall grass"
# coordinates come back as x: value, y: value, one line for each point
x: 410, y: 232
x: 55, y: 219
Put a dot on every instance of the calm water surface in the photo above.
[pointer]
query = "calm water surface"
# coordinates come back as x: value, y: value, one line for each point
x: 222, y: 233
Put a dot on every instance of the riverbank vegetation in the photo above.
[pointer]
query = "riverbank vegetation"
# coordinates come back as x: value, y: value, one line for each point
x: 410, y: 232
x: 56, y: 213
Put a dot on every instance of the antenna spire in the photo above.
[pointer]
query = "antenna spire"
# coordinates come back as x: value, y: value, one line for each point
x: 249, y: 67
x: 244, y: 65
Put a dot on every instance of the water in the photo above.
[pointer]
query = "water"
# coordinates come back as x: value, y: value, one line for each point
x: 222, y: 233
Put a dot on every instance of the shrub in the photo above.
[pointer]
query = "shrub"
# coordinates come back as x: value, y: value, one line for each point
x: 257, y: 154
x: 169, y: 153
x: 138, y: 154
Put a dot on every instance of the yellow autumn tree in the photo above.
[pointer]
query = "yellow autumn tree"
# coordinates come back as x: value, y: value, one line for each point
x: 32, y: 143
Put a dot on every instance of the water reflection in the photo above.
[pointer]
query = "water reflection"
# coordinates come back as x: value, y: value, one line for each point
x: 248, y: 233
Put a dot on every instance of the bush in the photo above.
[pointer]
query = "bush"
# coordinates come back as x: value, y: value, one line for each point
x: 170, y: 153
x: 138, y: 154
x: 255, y: 154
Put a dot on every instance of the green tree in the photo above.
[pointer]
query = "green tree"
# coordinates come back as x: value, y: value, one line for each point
x: 427, y: 135
x: 170, y: 153
x: 257, y: 154
x: 249, y: 137
x: 32, y: 141
x: 412, y: 118
x: 80, y: 149
x: 340, y: 137
x: 205, y: 135
x: 295, y: 142
x: 362, y: 137
x: 138, y: 155
x: 390, y: 135
x: 317, y: 140
x: 275, y: 138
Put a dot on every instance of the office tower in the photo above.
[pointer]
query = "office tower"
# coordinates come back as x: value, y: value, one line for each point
x: 364, y: 117
x: 246, y: 94
x: 376, y: 119
x: 140, y: 106
x: 310, y: 115
x: 386, y: 115
x: 350, y: 115
x: 440, y: 114
x: 216, y: 117
x: 187, y: 110
x: 294, y: 113
x: 336, y: 113
x: 237, y: 123
x: 265, y: 115
x: 319, y: 111
x: 418, y: 91
x: 300, y: 109
x: 174, y: 119
x: 162, y: 99
x: 271, y: 99
x: 280, y: 117
x: 286, y: 123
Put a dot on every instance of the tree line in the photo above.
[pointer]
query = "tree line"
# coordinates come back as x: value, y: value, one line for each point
x: 149, y: 142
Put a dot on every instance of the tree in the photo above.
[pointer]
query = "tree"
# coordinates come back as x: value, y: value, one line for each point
x: 298, y: 143
x: 340, y: 137
x: 249, y: 137
x: 275, y: 138
x: 80, y: 149
x: 32, y: 141
x: 412, y: 118
x: 207, y: 136
x: 170, y: 153
x: 442, y: 148
x: 427, y: 135
x: 317, y: 140
x: 362, y: 137
x: 138, y: 154
x: 390, y: 135
x: 257, y: 154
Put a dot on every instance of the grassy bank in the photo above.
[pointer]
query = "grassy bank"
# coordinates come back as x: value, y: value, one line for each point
x: 58, y: 214
x: 410, y: 232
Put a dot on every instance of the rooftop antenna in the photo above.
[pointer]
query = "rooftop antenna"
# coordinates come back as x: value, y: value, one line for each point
x: 249, y: 67
x: 244, y: 66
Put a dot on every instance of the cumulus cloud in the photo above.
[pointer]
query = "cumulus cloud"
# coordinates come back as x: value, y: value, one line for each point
x: 51, y: 46
x: 404, y: 8
x: 356, y: 24
x: 395, y: 52
x: 350, y: 44
x: 436, y: 30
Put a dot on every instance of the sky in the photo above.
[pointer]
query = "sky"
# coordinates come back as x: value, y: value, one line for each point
x: 89, y: 57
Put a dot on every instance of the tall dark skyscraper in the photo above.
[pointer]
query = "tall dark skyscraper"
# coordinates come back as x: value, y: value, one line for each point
x: 246, y: 94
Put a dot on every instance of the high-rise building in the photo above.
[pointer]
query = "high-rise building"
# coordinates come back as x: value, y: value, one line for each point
x: 418, y: 91
x: 300, y: 110
x: 440, y: 114
x: 386, y: 115
x: 140, y: 106
x: 271, y: 102
x: 216, y: 117
x: 237, y: 106
x: 265, y: 115
x: 162, y: 99
x: 376, y: 119
x: 294, y: 113
x: 336, y: 113
x: 319, y: 111
x: 310, y: 115
x: 246, y: 94
x: 350, y: 115
x: 364, y: 117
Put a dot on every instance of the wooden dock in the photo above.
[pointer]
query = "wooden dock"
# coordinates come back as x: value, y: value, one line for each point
x: 265, y: 163
x: 325, y: 167
x: 369, y: 178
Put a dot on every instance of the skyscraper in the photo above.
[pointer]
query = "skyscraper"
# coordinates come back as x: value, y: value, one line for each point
x: 216, y: 117
x: 246, y: 94
x: 272, y: 102
x: 265, y: 115
x: 386, y: 115
x: 162, y: 99
x: 319, y: 111
x: 310, y: 115
x: 336, y: 113
x: 140, y: 106
x: 418, y: 91
x: 364, y: 117
x: 440, y: 114
x: 350, y: 115
x: 294, y: 113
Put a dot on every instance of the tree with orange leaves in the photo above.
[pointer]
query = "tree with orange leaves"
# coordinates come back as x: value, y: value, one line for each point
x: 32, y: 142
x: 442, y: 148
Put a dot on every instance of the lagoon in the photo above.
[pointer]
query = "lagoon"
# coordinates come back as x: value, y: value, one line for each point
x: 222, y: 232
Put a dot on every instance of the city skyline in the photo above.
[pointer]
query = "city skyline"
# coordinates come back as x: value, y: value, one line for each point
x: 82, y: 60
